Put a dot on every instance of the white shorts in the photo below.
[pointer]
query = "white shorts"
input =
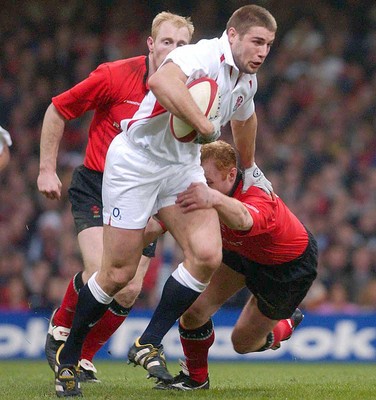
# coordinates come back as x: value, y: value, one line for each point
x: 136, y: 184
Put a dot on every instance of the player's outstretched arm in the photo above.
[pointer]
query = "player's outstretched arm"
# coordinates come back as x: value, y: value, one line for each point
x: 231, y: 212
x: 53, y: 126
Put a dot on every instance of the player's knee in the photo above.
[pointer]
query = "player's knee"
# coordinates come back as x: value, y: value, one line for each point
x: 209, y: 257
x: 239, y: 348
x: 120, y: 277
x: 238, y: 344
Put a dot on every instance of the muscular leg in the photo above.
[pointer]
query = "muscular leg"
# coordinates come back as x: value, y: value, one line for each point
x: 198, y: 235
x: 91, y: 246
x: 116, y: 313
x: 196, y: 329
x: 224, y: 284
x: 256, y: 332
x: 121, y: 255
x: 251, y: 329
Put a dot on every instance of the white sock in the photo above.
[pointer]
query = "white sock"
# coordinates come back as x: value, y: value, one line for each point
x: 97, y: 291
x: 183, y: 276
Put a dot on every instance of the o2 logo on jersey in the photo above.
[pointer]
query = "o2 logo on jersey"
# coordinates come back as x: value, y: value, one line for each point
x: 238, y: 103
x: 116, y: 214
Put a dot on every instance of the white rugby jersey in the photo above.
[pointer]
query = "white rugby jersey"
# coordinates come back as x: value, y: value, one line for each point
x: 149, y: 127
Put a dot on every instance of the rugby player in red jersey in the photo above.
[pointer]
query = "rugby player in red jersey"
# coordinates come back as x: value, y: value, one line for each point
x: 114, y: 91
x: 265, y: 248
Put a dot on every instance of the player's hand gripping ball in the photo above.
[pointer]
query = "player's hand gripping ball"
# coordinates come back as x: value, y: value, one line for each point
x: 205, y: 93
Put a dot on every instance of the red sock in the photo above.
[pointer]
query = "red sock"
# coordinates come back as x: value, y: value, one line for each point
x: 196, y: 349
x: 103, y: 330
x: 282, y: 331
x: 65, y: 314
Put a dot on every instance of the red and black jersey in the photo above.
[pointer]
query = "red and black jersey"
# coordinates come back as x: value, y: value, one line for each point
x: 114, y: 91
x: 276, y: 237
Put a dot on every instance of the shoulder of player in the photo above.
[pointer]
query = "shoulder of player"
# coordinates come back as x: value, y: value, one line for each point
x: 202, y: 47
x: 119, y: 73
x: 127, y: 63
x: 256, y: 197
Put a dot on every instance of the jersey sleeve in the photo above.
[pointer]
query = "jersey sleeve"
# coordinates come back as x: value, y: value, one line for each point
x: 91, y: 93
x: 248, y: 107
x: 262, y: 210
x: 245, y: 111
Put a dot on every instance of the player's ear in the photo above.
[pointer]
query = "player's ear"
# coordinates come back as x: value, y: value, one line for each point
x: 233, y: 174
x: 150, y: 43
x: 231, y: 33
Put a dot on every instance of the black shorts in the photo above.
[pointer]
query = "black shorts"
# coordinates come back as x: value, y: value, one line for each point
x: 85, y: 195
x: 279, y: 289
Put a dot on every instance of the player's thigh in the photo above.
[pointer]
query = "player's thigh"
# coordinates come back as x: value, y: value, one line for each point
x: 198, y: 234
x: 223, y: 285
x: 121, y: 254
x: 90, y: 241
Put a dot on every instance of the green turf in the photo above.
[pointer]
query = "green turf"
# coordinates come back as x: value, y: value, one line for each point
x: 229, y: 381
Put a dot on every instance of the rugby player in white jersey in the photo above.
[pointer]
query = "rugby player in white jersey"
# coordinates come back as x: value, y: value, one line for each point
x: 146, y: 168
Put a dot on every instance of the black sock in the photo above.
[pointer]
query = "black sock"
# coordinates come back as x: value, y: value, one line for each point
x: 88, y: 312
x: 175, y: 299
x: 78, y: 283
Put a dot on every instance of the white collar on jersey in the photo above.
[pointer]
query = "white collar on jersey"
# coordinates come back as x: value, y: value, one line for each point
x: 229, y: 59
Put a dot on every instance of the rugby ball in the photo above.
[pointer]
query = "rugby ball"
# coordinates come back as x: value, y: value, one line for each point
x: 205, y: 93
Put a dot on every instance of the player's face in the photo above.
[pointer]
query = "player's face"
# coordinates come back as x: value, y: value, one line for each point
x: 217, y: 179
x: 168, y: 38
x: 250, y: 51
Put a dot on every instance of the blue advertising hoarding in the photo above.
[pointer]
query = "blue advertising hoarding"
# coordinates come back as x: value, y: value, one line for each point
x: 319, y: 338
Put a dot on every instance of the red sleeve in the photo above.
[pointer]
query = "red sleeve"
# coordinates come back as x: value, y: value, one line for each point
x: 262, y: 209
x: 89, y: 94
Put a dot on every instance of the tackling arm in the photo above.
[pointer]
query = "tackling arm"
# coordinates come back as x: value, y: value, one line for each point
x: 52, y: 131
x: 231, y: 212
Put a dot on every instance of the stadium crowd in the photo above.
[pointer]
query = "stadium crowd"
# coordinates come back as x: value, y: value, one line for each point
x: 316, y: 108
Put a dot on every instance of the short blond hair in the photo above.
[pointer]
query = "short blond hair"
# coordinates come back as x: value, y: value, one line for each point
x: 177, y: 20
x: 249, y: 16
x: 222, y: 153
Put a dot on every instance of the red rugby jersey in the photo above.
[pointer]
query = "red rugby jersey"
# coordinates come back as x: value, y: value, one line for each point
x: 277, y: 236
x: 114, y: 91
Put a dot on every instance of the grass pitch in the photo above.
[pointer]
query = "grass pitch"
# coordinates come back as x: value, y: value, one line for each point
x: 235, y: 381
